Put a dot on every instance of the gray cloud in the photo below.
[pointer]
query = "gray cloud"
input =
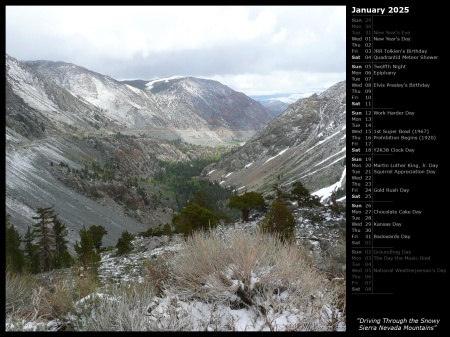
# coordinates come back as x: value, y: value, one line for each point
x: 243, y: 46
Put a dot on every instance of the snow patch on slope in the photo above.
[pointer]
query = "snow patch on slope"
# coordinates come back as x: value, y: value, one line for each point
x: 150, y: 84
x: 325, y: 192
x: 279, y: 154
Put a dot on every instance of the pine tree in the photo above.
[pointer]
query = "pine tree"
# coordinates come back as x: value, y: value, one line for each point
x: 97, y: 233
x: 45, y: 236
x: 167, y: 230
x: 15, y: 257
x: 200, y: 199
x: 246, y: 202
x: 87, y: 254
x: 301, y: 194
x: 279, y: 192
x: 334, y: 204
x: 31, y: 252
x: 193, y: 217
x: 279, y: 220
x: 62, y: 258
x: 124, y: 245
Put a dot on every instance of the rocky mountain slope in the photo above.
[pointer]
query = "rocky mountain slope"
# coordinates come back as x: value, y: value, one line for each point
x: 305, y: 143
x: 177, y: 103
x: 35, y: 103
x: 217, y: 104
x: 125, y: 104
x: 73, y: 141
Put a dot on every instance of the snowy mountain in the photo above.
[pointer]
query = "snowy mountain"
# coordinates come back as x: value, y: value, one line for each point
x: 213, y: 102
x: 305, y: 143
x: 35, y: 102
x: 127, y: 105
x: 184, y: 103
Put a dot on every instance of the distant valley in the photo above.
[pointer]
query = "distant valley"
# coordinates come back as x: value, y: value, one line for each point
x: 307, y: 142
x: 92, y: 145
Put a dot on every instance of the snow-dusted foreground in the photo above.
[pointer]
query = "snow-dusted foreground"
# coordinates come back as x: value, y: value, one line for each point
x: 225, y: 280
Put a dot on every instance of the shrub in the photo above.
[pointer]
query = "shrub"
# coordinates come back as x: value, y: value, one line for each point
x: 54, y: 302
x: 158, y: 272
x: 120, y: 308
x: 18, y: 287
x: 86, y: 282
x: 335, y: 256
x: 151, y: 232
x: 279, y: 220
x: 255, y: 271
x: 61, y: 297
x: 28, y: 298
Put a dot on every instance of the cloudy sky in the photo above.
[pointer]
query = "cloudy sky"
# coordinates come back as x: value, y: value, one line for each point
x: 252, y: 49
